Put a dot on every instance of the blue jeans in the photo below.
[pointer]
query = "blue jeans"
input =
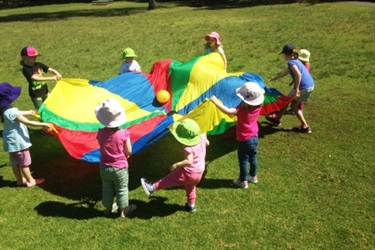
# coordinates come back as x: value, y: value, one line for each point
x: 115, y: 182
x: 247, y: 153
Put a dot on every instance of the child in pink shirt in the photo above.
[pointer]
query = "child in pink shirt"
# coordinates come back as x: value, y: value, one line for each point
x: 189, y: 171
x: 115, y: 148
x: 247, y: 130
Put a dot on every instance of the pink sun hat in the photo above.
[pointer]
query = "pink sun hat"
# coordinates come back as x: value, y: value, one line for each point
x: 110, y: 113
x: 213, y: 35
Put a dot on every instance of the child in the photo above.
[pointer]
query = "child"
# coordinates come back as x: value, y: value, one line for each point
x: 129, y: 64
x: 304, y: 57
x: 214, y: 45
x: 189, y: 171
x: 34, y: 74
x: 303, y: 87
x: 247, y: 113
x: 115, y: 148
x: 16, y: 139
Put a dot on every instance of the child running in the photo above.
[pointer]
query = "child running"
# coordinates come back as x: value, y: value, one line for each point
x: 16, y: 139
x: 34, y: 73
x: 189, y: 171
x: 247, y: 113
x: 129, y: 64
x: 302, y: 89
x: 214, y: 45
x: 115, y: 148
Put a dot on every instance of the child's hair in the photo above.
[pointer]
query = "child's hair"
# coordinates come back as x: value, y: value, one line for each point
x: 295, y: 53
x: 245, y: 105
x: 22, y: 62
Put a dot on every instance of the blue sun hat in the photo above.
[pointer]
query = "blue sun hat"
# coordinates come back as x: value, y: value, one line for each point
x: 8, y: 94
x: 186, y: 132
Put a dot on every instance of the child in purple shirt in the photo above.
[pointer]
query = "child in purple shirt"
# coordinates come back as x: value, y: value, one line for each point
x: 115, y: 148
x: 252, y: 96
x: 189, y: 171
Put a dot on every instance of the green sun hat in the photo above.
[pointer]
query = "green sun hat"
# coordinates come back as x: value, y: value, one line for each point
x: 186, y: 132
x: 128, y: 52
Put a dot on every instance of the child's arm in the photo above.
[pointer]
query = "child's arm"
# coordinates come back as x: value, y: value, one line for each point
x: 222, y: 108
x: 280, y: 75
x: 221, y: 52
x: 44, y: 78
x: 30, y: 112
x: 26, y: 121
x: 297, y: 80
x: 188, y: 161
x: 128, y: 148
x: 57, y: 74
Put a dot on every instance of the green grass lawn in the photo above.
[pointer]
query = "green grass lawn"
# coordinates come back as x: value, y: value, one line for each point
x: 315, y: 191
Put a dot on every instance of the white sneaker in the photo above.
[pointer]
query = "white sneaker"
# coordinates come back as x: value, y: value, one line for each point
x: 114, y: 207
x: 149, y: 189
x: 253, y: 179
x: 240, y: 184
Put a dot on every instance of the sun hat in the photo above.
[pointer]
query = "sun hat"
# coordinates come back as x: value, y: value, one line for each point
x: 128, y: 52
x: 186, y: 132
x: 213, y: 35
x: 8, y: 94
x: 251, y: 93
x: 110, y: 113
x: 287, y: 49
x: 29, y: 51
x: 304, y: 55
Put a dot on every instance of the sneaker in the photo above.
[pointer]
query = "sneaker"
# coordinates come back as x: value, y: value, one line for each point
x: 253, y: 179
x: 148, y: 188
x: 36, y: 182
x: 190, y: 209
x: 273, y: 120
x: 240, y: 184
x: 114, y: 207
x: 303, y: 129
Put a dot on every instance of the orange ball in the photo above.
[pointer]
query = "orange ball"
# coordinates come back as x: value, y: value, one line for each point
x: 162, y: 96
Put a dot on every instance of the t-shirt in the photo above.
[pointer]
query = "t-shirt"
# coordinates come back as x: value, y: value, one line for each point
x: 199, y: 156
x: 306, y: 79
x: 112, y: 143
x: 36, y: 88
x: 130, y: 67
x: 247, y: 122
x: 208, y: 50
x: 15, y: 134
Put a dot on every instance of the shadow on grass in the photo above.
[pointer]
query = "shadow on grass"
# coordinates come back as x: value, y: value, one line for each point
x: 156, y: 207
x: 74, y: 211
x: 61, y: 15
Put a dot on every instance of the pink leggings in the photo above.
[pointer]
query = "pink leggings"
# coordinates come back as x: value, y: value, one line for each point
x: 180, y: 177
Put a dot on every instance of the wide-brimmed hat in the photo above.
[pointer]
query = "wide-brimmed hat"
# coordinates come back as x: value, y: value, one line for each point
x: 110, y: 113
x: 251, y: 93
x: 29, y: 51
x: 288, y: 49
x: 128, y: 52
x: 8, y: 94
x: 213, y: 35
x: 304, y: 55
x: 186, y: 132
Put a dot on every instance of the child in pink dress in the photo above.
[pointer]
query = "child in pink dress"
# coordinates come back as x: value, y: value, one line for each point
x: 189, y: 171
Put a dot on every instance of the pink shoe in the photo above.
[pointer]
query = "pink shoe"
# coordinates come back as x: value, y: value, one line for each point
x: 36, y: 182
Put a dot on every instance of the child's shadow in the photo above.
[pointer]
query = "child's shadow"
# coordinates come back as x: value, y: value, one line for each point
x: 72, y: 211
x: 155, y: 207
x: 7, y: 183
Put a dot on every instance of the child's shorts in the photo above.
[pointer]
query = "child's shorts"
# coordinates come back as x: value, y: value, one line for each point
x: 21, y: 158
x: 304, y: 94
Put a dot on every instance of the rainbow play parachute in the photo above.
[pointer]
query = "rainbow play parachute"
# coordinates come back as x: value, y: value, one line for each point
x: 72, y: 102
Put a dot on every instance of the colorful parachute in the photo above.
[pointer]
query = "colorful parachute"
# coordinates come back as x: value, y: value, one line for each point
x: 72, y: 102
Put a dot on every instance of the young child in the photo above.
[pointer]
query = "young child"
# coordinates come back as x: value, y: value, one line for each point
x: 303, y: 87
x: 115, y: 148
x: 304, y: 57
x: 34, y: 73
x: 129, y: 64
x: 247, y: 113
x: 189, y: 171
x: 214, y: 45
x: 16, y: 139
